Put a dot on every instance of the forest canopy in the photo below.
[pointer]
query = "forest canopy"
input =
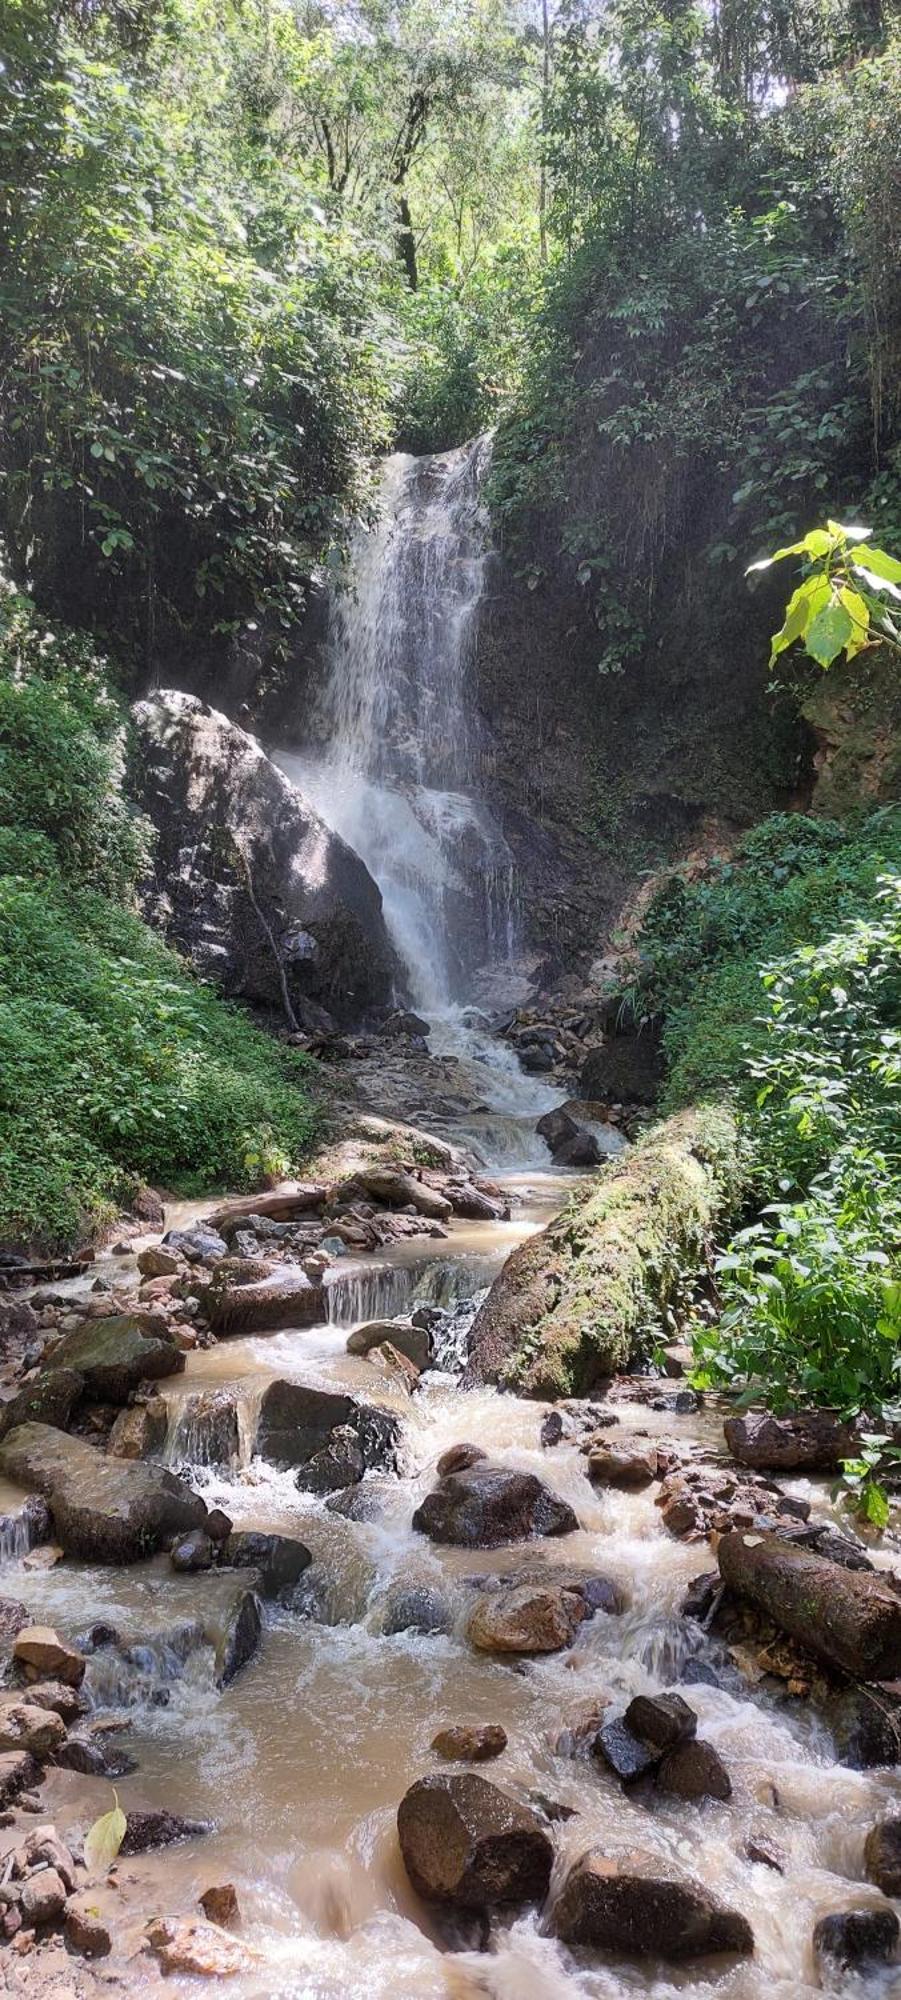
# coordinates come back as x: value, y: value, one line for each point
x: 248, y: 244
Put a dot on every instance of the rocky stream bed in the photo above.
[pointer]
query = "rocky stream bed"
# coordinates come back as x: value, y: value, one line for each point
x: 407, y: 1688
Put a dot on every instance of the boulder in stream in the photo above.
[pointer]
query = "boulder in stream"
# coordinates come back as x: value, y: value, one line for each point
x: 113, y: 1355
x: 49, y: 1399
x: 40, y: 1651
x: 856, y: 1942
x: 882, y: 1856
x: 626, y: 1466
x: 296, y: 1420
x: 694, y: 1770
x: 849, y: 1618
x: 623, y: 1904
x: 525, y: 1618
x: 661, y: 1720
x: 485, y: 1506
x: 465, y: 1842
x: 103, y: 1509
x: 413, y: 1341
x: 283, y: 1298
x: 809, y: 1441
x: 279, y: 1559
x: 470, y: 1743
x: 140, y: 1431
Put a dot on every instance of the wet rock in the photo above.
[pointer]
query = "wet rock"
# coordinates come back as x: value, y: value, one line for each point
x: 280, y: 1560
x: 626, y: 1754
x: 338, y: 1465
x: 26, y: 1726
x: 49, y: 1399
x: 44, y: 1654
x: 157, y: 1262
x: 661, y: 1720
x: 19, y: 1772
x: 866, y: 1724
x: 220, y: 1904
x: 217, y: 1525
x: 464, y: 1842
x: 577, y: 1736
x: 464, y: 1744
x: 362, y: 1503
x: 525, y: 1619
x: 398, y: 1367
x: 850, y: 1619
x: 413, y: 1341
x: 59, y: 1699
x: 284, y: 1298
x: 416, y: 1607
x: 552, y: 1429
x: 104, y: 1509
x: 882, y: 1856
x: 193, y: 1552
x: 396, y: 1188
x: 192, y: 1945
x: 114, y: 1355
x: 855, y: 1941
x: 487, y: 1505
x: 286, y: 1204
x: 810, y: 1441
x: 242, y: 1630
x: 147, y: 1829
x: 624, y: 1905
x: 763, y: 1856
x: 694, y: 1771
x: 597, y: 1592
x: 95, y: 1757
x: 208, y: 1431
x: 296, y: 1420
x: 85, y: 1932
x: 13, y: 1616
x: 43, y: 1898
x: 627, y: 1466
x: 459, y: 1458
x: 44, y: 1849
x: 140, y: 1432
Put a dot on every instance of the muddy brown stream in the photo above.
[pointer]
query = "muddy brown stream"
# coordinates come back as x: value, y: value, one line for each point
x: 301, y: 1762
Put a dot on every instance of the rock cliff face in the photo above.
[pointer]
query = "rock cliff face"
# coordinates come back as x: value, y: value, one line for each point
x: 246, y: 877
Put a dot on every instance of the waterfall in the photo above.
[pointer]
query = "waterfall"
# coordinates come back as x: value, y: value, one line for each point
x: 400, y: 774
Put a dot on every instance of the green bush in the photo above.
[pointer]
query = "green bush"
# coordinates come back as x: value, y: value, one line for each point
x: 792, y: 881
x: 116, y: 1065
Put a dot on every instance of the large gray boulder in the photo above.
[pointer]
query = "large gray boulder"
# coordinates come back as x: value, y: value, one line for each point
x: 246, y: 874
x: 103, y: 1509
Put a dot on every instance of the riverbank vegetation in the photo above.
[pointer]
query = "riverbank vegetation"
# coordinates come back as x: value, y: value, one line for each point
x: 116, y: 1065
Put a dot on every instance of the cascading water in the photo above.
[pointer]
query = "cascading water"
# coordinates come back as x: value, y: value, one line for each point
x: 399, y: 772
x: 397, y: 767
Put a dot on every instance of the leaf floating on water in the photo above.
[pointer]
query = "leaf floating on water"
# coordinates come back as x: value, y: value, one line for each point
x: 104, y: 1839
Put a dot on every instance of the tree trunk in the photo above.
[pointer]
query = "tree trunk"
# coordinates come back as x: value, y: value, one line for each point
x: 849, y: 1618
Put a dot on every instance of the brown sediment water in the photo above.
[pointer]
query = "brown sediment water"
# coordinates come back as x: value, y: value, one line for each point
x: 301, y: 1762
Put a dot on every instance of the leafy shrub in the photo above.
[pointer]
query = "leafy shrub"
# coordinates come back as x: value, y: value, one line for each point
x: 116, y: 1064
x: 792, y: 881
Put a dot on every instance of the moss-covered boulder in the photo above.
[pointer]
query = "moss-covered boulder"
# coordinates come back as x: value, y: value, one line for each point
x: 570, y: 1303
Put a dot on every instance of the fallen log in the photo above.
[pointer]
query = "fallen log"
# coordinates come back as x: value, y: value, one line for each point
x: 849, y: 1618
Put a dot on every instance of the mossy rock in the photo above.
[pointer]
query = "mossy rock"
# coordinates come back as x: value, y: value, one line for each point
x: 571, y: 1304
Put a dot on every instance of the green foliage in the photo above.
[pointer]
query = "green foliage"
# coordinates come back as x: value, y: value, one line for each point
x: 115, y: 1064
x: 840, y: 606
x: 792, y: 881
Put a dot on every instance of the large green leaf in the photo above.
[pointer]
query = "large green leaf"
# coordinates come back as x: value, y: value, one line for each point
x: 829, y: 634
